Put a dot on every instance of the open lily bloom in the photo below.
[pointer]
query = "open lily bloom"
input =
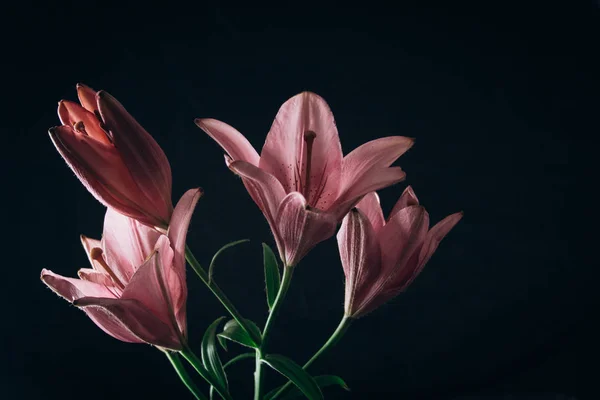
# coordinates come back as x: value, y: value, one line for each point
x: 136, y: 289
x: 114, y: 157
x: 301, y: 181
x: 380, y: 258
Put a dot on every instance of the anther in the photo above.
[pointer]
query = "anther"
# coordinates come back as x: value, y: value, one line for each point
x: 96, y: 255
x: 80, y: 127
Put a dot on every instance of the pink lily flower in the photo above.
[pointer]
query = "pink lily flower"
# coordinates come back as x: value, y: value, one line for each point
x: 380, y: 258
x: 114, y: 157
x: 136, y: 289
x: 301, y: 181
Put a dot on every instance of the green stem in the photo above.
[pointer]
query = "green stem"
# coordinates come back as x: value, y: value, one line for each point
x: 258, y: 375
x: 332, y: 341
x: 183, y: 375
x: 285, y: 284
x: 211, y: 284
x: 195, y: 362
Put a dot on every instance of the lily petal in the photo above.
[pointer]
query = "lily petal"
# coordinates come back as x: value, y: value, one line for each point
x: 177, y: 234
x: 284, y: 153
x: 71, y: 113
x: 72, y: 289
x: 143, y: 157
x: 400, y: 237
x: 371, y: 208
x: 301, y: 228
x: 370, y: 162
x: 361, y: 259
x: 399, y: 240
x: 266, y: 191
x: 408, y: 198
x: 232, y: 141
x: 180, y: 221
x: 100, y: 168
x: 435, y: 236
x: 147, y: 284
x: 420, y: 258
x: 87, y: 97
x: 373, y: 180
x: 126, y: 243
x: 129, y: 318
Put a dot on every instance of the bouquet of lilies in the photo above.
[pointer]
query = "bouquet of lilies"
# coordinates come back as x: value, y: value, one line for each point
x: 135, y: 289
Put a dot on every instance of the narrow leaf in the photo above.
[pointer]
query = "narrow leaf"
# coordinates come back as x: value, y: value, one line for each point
x: 210, y: 356
x: 322, y: 380
x: 238, y: 358
x: 234, y: 332
x: 218, y: 253
x: 272, y: 277
x: 222, y: 342
x: 296, y: 374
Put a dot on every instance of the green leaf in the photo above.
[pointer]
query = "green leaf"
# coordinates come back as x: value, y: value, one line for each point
x: 322, y: 381
x: 210, y: 356
x: 272, y: 277
x: 234, y: 332
x: 296, y: 374
x: 218, y: 253
x: 238, y: 358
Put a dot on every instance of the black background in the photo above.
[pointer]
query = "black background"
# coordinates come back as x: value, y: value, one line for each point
x: 496, y: 96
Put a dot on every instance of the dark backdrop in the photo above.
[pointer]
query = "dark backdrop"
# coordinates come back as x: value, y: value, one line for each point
x: 495, y: 96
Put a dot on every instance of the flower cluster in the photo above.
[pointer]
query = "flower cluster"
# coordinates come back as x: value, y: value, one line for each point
x: 304, y: 185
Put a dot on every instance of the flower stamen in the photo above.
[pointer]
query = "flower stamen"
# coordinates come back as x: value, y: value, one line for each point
x: 96, y: 255
x: 80, y: 127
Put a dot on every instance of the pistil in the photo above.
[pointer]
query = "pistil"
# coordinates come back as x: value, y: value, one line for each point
x: 309, y: 138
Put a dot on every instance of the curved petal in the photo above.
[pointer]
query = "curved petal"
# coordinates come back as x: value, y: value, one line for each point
x: 422, y: 255
x: 371, y: 208
x: 129, y: 318
x: 72, y: 289
x: 373, y: 180
x: 174, y: 283
x: 71, y: 113
x: 232, y: 141
x: 180, y: 221
x: 87, y: 97
x: 266, y: 192
x: 100, y: 168
x: 399, y: 240
x: 370, y: 162
x: 110, y: 325
x: 435, y: 236
x: 400, y: 237
x: 301, y: 228
x: 177, y: 234
x: 160, y: 288
x: 408, y: 198
x: 127, y: 243
x: 361, y: 259
x: 147, y: 287
x: 284, y: 153
x: 143, y: 157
